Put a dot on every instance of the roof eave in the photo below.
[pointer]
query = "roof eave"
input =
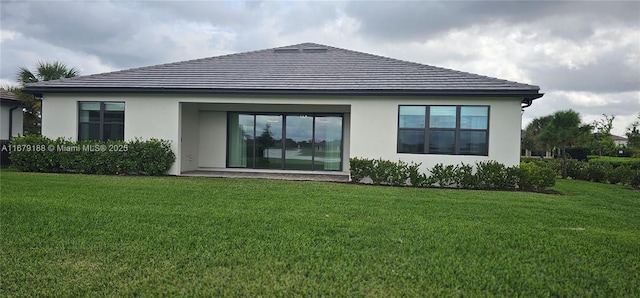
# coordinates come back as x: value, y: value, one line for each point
x: 526, y: 94
x: 11, y: 101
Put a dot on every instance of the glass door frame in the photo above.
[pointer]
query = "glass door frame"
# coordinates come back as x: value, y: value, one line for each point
x: 283, y: 115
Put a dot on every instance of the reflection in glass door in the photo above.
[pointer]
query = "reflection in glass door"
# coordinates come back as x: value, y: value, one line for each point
x: 268, y: 142
x: 240, y: 140
x: 298, y: 149
x: 328, y: 143
x: 292, y: 142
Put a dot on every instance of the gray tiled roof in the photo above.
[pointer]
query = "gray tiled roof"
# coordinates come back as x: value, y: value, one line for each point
x: 6, y: 95
x: 302, y: 68
x: 618, y: 138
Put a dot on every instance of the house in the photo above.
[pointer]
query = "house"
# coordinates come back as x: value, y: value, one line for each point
x: 10, y: 115
x: 10, y: 122
x: 618, y: 140
x: 305, y: 107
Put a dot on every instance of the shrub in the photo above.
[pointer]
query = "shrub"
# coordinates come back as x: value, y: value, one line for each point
x: 41, y: 154
x: 553, y: 164
x: 494, y: 175
x: 150, y: 157
x: 577, y: 169
x: 381, y: 171
x: 622, y: 170
x: 621, y: 174
x: 597, y: 171
x: 386, y: 172
x: 31, y: 154
x: 486, y: 175
x: 632, y: 162
x: 416, y: 178
x: 464, y: 177
x: 360, y: 168
x: 546, y: 178
x: 399, y: 173
x: 529, y: 159
x: 512, y: 177
x: 532, y: 176
x: 634, y: 180
x: 443, y: 176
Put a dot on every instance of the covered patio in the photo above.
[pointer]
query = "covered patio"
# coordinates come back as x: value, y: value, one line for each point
x: 287, y: 140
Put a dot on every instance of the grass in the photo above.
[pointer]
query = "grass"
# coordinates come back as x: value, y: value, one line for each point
x: 80, y: 235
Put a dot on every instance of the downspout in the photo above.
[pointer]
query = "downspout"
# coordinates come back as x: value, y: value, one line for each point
x: 527, y: 102
x: 11, y: 121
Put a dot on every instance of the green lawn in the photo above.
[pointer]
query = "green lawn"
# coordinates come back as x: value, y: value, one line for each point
x: 79, y: 235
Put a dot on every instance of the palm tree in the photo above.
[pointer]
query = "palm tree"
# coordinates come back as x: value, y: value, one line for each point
x: 563, y: 130
x: 45, y: 71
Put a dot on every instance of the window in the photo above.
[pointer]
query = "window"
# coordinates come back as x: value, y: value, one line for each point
x: 462, y: 130
x: 288, y: 141
x: 101, y: 121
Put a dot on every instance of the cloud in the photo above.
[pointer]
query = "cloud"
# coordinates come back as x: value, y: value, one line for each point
x: 18, y: 52
x: 63, y: 24
x: 624, y: 105
x: 607, y: 61
x: 416, y: 20
x: 120, y: 33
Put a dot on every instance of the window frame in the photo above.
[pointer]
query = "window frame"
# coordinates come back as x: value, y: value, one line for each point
x: 427, y: 131
x: 101, y: 122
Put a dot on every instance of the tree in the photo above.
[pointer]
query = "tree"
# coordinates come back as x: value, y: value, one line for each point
x: 531, y: 137
x: 563, y: 131
x: 633, y: 136
x: 602, y: 135
x: 264, y: 141
x: 45, y: 71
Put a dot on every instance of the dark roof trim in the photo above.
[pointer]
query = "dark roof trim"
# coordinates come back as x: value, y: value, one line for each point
x: 11, y: 101
x: 533, y: 94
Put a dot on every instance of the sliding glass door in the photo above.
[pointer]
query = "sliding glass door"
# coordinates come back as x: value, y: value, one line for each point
x: 298, y: 144
x: 328, y: 143
x: 240, y: 143
x: 285, y: 141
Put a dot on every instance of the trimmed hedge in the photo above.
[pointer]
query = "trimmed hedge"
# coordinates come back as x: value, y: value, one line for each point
x: 384, y: 172
x: 484, y: 175
x: 35, y: 153
x: 602, y: 169
x: 617, y: 161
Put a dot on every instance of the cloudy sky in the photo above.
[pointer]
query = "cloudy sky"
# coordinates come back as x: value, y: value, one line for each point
x: 585, y: 56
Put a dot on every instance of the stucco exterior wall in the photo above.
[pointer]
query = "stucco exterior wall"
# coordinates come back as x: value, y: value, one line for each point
x: 16, y: 121
x: 213, y: 139
x: 374, y: 130
x: 145, y: 116
x: 196, y: 124
x: 189, y: 137
x: 60, y: 116
x: 4, y: 122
